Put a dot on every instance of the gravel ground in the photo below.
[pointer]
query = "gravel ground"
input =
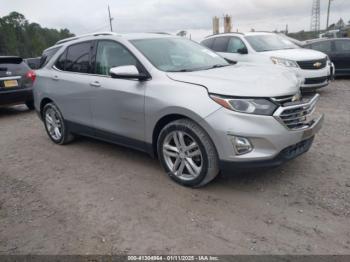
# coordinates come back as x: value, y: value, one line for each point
x: 95, y: 198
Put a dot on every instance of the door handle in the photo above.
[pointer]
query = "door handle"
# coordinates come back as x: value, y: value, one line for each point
x: 95, y: 84
x: 55, y: 78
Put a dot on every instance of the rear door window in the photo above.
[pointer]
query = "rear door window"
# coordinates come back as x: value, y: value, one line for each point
x: 220, y: 44
x: 76, y: 58
x: 342, y: 46
x: 324, y: 46
x: 208, y: 43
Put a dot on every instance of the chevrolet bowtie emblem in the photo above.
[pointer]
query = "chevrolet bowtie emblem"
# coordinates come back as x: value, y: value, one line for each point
x: 317, y: 65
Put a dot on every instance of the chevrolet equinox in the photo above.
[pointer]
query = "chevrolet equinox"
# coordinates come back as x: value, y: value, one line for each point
x: 176, y: 100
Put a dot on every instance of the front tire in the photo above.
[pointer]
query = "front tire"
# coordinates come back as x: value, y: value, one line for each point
x: 55, y: 125
x: 187, y: 153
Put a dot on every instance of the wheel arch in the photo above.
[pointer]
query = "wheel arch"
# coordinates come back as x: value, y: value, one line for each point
x: 166, y: 119
x: 44, y: 102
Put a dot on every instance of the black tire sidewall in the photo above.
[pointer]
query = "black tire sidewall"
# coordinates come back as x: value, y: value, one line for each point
x: 30, y: 105
x: 178, y: 127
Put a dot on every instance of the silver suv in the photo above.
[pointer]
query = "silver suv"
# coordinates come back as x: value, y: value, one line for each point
x: 176, y: 100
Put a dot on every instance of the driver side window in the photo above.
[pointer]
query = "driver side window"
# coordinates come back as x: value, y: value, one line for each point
x: 234, y: 45
x: 111, y: 54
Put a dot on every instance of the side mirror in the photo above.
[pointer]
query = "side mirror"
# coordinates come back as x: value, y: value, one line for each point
x: 127, y: 72
x: 242, y: 51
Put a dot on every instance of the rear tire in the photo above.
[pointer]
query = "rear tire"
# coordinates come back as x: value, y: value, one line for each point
x: 187, y: 153
x: 55, y: 125
x: 30, y: 105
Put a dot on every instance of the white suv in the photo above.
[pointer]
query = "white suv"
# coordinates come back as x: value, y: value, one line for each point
x: 312, y: 67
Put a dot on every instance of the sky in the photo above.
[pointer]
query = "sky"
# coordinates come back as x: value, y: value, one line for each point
x: 194, y: 16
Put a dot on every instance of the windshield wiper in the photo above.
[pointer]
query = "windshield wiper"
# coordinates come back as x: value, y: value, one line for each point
x: 180, y: 70
x: 216, y: 66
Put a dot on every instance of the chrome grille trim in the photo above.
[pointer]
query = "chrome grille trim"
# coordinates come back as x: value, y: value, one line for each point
x: 283, y: 99
x: 295, y: 117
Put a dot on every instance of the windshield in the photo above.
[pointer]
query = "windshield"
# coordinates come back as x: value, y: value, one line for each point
x: 262, y: 43
x: 178, y: 55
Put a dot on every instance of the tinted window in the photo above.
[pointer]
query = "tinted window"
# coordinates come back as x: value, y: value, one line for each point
x: 325, y: 46
x: 208, y: 42
x: 12, y: 67
x: 47, y: 55
x: 342, y: 45
x: 61, y: 61
x: 235, y: 44
x: 220, y: 44
x: 78, y: 58
x: 111, y: 54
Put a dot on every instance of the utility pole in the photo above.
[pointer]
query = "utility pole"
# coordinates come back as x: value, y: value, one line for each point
x: 110, y: 19
x: 316, y: 16
x: 328, y: 13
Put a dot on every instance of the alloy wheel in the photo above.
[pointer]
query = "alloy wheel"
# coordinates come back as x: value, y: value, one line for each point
x: 53, y: 124
x: 182, y: 155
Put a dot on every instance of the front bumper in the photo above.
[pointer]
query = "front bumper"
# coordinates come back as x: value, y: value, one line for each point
x: 270, y: 138
x: 316, y: 78
x: 285, y: 155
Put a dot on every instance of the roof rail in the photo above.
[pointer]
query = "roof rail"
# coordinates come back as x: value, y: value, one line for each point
x: 238, y: 33
x: 82, y: 36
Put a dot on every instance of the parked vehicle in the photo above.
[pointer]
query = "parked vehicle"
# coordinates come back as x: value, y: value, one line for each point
x: 338, y: 50
x: 269, y: 48
x: 33, y: 63
x: 176, y: 100
x: 16, y: 82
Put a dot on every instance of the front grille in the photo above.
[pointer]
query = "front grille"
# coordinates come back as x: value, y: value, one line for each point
x: 313, y: 64
x: 316, y: 80
x: 297, y: 115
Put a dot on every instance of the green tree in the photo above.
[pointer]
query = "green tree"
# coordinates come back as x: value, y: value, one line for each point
x: 21, y: 38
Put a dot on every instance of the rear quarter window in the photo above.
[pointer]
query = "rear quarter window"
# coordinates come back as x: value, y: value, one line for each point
x: 47, y: 55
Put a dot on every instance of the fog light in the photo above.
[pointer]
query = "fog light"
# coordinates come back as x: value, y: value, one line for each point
x: 241, y: 145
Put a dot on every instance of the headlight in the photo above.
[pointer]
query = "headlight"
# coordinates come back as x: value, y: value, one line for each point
x: 284, y: 62
x: 256, y: 106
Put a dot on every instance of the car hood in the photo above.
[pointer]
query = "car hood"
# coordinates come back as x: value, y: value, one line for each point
x: 298, y: 54
x: 244, y: 80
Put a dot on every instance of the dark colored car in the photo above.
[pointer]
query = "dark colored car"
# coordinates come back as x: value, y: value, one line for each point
x: 16, y: 82
x: 338, y: 50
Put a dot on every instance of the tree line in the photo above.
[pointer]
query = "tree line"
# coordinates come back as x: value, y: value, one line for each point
x: 19, y: 37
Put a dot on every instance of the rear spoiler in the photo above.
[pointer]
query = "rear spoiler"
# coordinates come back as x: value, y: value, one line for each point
x: 10, y: 60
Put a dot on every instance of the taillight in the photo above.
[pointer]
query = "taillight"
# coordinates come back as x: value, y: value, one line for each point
x: 31, y: 75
